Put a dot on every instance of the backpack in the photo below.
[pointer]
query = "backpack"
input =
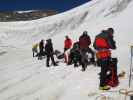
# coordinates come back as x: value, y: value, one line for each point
x: 100, y: 43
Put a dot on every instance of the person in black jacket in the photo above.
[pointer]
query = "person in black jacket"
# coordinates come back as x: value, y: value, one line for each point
x: 41, y: 49
x: 49, y: 52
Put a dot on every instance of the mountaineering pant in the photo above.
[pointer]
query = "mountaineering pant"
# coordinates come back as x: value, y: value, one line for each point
x: 35, y: 52
x: 84, y: 58
x: 41, y: 54
x: 112, y: 78
x: 48, y: 59
x: 74, y: 57
x: 91, y: 52
x: 108, y: 75
x: 104, y: 63
x: 66, y: 55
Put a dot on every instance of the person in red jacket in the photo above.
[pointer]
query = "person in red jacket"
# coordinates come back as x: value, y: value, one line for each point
x: 84, y: 43
x: 67, y: 45
x: 84, y: 40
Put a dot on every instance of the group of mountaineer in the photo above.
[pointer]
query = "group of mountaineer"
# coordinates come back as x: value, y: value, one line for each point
x: 46, y: 50
x: 77, y: 53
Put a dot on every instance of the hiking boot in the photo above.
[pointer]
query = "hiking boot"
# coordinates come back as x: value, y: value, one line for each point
x: 69, y: 63
x: 92, y: 61
x: 40, y: 58
x: 55, y: 64
x: 104, y: 87
x: 83, y: 69
x: 76, y: 65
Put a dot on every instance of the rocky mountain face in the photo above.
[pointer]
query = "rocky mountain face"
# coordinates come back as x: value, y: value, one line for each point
x: 24, y: 15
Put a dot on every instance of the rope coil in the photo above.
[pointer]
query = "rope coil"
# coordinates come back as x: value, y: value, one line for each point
x: 126, y: 92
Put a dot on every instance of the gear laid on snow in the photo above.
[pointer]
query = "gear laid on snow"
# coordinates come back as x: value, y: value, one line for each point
x: 58, y: 54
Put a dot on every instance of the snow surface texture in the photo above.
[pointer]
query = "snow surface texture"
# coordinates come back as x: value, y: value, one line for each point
x: 25, y: 78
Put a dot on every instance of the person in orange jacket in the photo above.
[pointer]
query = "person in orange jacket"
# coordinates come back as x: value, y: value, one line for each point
x: 103, y: 44
x: 67, y: 46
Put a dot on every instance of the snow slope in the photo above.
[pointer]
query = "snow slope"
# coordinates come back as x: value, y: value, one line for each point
x: 25, y: 78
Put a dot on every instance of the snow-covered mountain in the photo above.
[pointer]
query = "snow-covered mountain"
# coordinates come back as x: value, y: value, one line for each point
x: 25, y: 78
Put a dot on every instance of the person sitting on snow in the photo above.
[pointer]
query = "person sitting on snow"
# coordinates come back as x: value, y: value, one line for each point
x: 74, y: 56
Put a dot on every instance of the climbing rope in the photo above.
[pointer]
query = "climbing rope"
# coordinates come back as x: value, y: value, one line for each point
x: 101, y: 97
x: 124, y: 92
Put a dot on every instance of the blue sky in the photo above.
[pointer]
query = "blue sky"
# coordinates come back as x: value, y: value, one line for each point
x: 58, y: 5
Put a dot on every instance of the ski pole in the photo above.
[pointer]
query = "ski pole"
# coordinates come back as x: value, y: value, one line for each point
x: 130, y: 75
